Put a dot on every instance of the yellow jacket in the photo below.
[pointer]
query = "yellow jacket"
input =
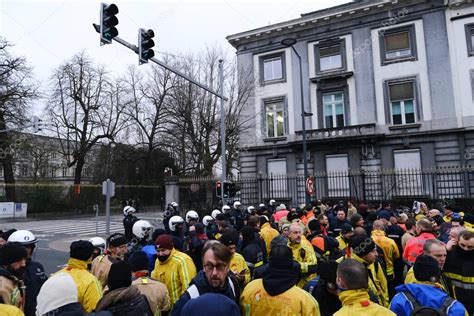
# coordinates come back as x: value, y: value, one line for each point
x: 357, y: 302
x: 189, y: 262
x: 389, y: 247
x: 304, y: 254
x: 254, y: 300
x: 175, y: 274
x: 89, y: 290
x: 410, y: 278
x: 377, y: 280
x: 238, y: 264
x: 268, y: 233
x: 10, y: 310
x: 342, y: 243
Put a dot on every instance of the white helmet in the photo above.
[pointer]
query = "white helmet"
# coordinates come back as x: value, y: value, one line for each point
x: 192, y: 215
x: 237, y: 204
x: 174, y: 221
x: 142, y: 229
x: 206, y: 220
x: 128, y: 210
x: 214, y: 213
x: 261, y: 205
x: 251, y: 209
x: 272, y: 202
x: 24, y: 237
x: 174, y: 204
x: 98, y: 242
x: 225, y: 209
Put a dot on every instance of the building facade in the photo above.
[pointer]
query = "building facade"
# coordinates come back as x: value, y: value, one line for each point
x: 385, y: 85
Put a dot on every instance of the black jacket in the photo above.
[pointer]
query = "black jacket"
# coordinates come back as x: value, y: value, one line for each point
x: 126, y: 301
x: 34, y: 278
x: 203, y: 286
x: 128, y: 222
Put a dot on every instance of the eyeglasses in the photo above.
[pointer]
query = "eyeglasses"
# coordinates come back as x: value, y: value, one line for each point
x: 220, y: 267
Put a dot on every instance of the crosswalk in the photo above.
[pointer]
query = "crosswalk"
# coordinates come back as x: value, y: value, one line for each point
x: 66, y: 227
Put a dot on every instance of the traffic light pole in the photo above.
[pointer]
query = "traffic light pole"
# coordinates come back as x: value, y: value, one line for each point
x: 223, y: 160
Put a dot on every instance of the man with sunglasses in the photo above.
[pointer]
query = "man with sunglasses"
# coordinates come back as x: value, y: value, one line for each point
x: 214, y: 278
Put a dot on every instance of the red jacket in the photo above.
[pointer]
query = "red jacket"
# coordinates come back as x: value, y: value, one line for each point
x: 414, y: 247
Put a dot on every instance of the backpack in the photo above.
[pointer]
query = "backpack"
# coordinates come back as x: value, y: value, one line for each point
x: 418, y: 309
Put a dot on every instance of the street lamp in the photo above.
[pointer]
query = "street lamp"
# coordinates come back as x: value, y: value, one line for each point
x: 290, y: 42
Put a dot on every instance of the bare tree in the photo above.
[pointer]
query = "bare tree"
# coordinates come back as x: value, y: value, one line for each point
x: 85, y: 108
x: 37, y: 153
x: 17, y: 88
x: 193, y: 134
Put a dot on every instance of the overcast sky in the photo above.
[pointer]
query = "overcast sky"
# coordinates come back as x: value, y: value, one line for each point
x: 49, y: 32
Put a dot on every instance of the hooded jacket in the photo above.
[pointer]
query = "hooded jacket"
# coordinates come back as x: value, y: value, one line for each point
x: 125, y: 301
x: 414, y: 247
x: 176, y: 273
x: 10, y: 310
x: 34, y: 278
x: 426, y: 295
x: 357, y: 302
x: 89, y: 290
x: 389, y: 247
x: 277, y: 294
x: 12, y: 289
x: 268, y: 233
x: 304, y: 254
x: 201, y: 284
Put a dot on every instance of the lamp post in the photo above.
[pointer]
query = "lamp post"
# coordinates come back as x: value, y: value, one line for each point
x: 290, y: 42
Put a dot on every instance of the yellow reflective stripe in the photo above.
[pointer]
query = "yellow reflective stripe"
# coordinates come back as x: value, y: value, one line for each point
x: 258, y: 264
x: 174, y: 288
x: 185, y: 270
x: 144, y: 280
x: 459, y: 277
x: 247, y: 309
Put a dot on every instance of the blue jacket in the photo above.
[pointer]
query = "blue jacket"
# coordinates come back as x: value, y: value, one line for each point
x: 426, y: 295
x: 150, y: 251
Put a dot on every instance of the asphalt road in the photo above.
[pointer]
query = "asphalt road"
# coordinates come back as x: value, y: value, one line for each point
x: 55, y: 235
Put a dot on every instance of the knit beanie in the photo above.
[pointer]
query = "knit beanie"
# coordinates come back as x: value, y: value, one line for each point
x: 385, y: 215
x: 12, y: 252
x: 229, y: 239
x: 206, y: 305
x: 426, y: 268
x: 346, y: 228
x: 116, y: 240
x: 361, y: 244
x: 314, y: 226
x: 57, y: 291
x: 81, y: 250
x: 120, y: 275
x: 164, y: 242
x: 281, y: 257
x: 138, y: 261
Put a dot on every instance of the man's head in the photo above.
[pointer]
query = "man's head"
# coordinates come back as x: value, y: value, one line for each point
x: 426, y: 269
x: 254, y: 221
x: 364, y: 247
x: 378, y: 225
x: 410, y: 225
x: 323, y: 220
x: 436, y: 249
x: 294, y: 233
x: 346, y: 231
x: 285, y: 230
x: 351, y: 275
x: 120, y: 275
x: 457, y: 221
x: 216, y: 262
x: 164, y: 246
x: 357, y: 220
x: 138, y: 261
x: 117, y: 245
x: 384, y: 216
x: 281, y: 257
x: 230, y: 240
x: 341, y: 215
x: 434, y: 212
x: 466, y: 241
x: 386, y: 205
x: 455, y: 232
x: 448, y: 211
x: 13, y: 257
x: 423, y: 225
x: 81, y: 250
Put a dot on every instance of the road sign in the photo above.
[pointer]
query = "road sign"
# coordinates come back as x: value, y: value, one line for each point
x: 309, y: 186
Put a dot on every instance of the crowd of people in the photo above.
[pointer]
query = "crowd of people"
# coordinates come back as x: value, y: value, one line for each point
x: 320, y: 259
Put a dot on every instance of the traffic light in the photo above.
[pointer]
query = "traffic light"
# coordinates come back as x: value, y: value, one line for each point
x: 233, y: 190
x: 145, y: 43
x: 218, y: 189
x: 108, y: 21
x: 227, y: 189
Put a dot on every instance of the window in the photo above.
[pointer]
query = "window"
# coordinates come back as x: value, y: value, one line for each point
x: 402, y: 102
x: 275, y: 119
x: 337, y: 168
x: 398, y: 44
x: 24, y: 171
x: 472, y: 84
x: 470, y: 39
x: 64, y: 171
x: 276, y: 169
x: 408, y: 172
x: 330, y: 56
x: 333, y: 104
x: 272, y: 68
x: 53, y: 172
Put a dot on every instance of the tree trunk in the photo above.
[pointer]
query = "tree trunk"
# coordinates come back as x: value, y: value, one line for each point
x: 78, y: 171
x: 7, y: 162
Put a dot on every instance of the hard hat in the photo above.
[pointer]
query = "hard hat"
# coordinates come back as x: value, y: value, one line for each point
x: 214, y: 213
x: 142, y: 229
x: 24, y: 237
x: 225, y: 209
x: 174, y: 204
x: 174, y: 221
x: 272, y: 202
x: 250, y: 209
x: 237, y: 204
x: 128, y: 209
x: 192, y: 215
x: 206, y: 220
x: 98, y: 242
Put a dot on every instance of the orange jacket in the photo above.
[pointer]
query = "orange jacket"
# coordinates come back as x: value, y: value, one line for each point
x: 414, y: 247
